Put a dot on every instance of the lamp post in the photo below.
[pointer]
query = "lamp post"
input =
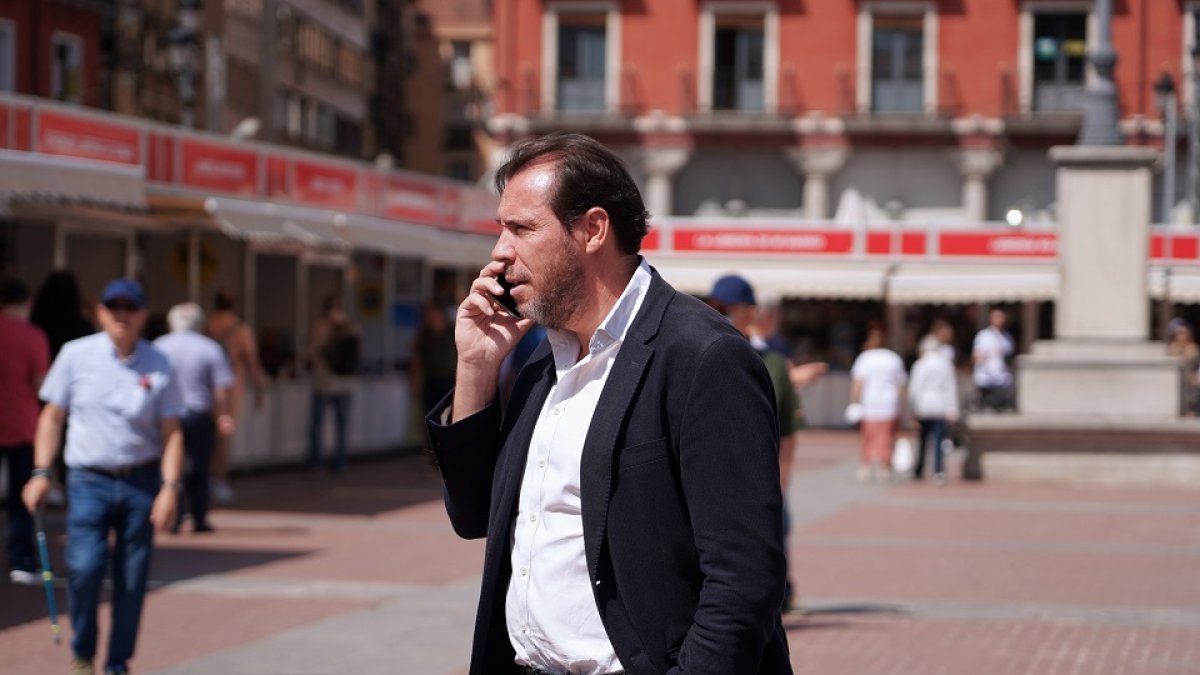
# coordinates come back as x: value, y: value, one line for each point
x: 1193, y: 194
x: 1164, y: 93
x: 1100, y: 104
x: 182, y: 54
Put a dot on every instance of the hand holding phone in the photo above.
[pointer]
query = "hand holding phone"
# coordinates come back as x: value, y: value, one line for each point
x: 505, y: 299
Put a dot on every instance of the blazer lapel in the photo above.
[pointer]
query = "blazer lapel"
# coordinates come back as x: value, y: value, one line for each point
x: 596, y: 465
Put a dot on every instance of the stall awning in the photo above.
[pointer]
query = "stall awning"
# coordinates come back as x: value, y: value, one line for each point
x: 388, y: 236
x: 31, y: 178
x: 772, y: 281
x: 270, y: 223
x: 460, y: 249
x: 961, y: 285
x: 1176, y: 285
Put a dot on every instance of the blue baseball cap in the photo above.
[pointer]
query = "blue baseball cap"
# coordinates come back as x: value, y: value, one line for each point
x: 733, y: 290
x: 124, y: 289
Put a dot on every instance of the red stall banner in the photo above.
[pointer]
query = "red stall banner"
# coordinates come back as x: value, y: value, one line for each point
x: 325, y: 185
x: 961, y: 244
x: 219, y: 168
x: 761, y: 240
x: 69, y: 135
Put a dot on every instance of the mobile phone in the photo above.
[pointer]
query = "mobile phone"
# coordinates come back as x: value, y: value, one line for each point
x: 506, y: 300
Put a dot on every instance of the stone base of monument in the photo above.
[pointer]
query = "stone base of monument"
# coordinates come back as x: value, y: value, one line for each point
x: 1091, y: 412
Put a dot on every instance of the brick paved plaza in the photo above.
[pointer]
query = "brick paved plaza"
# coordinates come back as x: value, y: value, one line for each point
x: 310, y: 574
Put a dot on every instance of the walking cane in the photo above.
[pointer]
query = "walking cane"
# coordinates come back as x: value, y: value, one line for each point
x: 47, y: 575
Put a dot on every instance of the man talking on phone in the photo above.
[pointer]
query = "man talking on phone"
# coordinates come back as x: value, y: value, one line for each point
x: 629, y: 489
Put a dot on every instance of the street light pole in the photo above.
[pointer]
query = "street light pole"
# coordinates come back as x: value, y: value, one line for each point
x: 182, y: 49
x: 1100, y: 105
x: 1164, y: 90
x: 1194, y: 140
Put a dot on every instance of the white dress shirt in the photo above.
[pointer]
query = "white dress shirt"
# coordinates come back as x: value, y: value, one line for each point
x: 553, y: 622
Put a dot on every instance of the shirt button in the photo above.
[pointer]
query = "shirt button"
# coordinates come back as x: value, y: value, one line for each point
x: 524, y: 571
x: 558, y: 410
x: 541, y: 463
x: 532, y: 517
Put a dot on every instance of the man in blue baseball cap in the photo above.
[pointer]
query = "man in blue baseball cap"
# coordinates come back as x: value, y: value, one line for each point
x: 734, y: 297
x: 124, y: 455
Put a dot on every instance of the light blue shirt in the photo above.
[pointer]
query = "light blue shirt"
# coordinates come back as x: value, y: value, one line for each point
x: 200, y: 366
x: 115, y: 404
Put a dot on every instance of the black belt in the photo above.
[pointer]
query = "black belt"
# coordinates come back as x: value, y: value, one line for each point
x: 122, y: 471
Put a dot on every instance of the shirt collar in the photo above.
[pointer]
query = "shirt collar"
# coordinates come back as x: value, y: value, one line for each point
x: 612, y: 329
x: 138, y: 348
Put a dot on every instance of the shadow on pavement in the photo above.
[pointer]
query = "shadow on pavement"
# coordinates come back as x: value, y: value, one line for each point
x: 23, y: 604
x: 824, y: 616
x: 366, y: 487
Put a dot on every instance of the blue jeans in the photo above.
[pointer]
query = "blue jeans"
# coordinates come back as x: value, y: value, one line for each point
x: 199, y: 439
x: 341, y: 412
x: 19, y: 537
x: 100, y: 504
x: 935, y: 428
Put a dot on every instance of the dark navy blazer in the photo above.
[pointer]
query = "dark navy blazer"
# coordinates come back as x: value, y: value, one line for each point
x: 681, y: 507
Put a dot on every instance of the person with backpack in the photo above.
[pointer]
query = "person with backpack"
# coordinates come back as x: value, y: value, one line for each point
x: 334, y: 356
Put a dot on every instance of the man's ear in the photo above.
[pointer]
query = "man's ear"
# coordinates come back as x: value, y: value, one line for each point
x: 597, y: 229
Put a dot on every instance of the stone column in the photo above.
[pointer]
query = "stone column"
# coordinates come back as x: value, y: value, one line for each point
x: 1100, y: 364
x: 1103, y: 193
x: 660, y: 165
x: 817, y: 165
x: 976, y: 166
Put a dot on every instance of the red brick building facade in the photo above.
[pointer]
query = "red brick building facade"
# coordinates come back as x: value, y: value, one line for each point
x: 51, y: 48
x: 927, y: 110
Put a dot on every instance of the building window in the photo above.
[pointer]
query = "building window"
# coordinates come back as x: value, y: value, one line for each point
x: 8, y: 56
x: 738, y: 62
x: 897, y: 64
x: 461, y: 75
x: 1059, y: 60
x: 66, y: 67
x: 738, y: 44
x: 582, y: 55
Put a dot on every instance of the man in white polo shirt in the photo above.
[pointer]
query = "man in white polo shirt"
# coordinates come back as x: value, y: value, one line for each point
x: 124, y: 455
x: 992, y: 349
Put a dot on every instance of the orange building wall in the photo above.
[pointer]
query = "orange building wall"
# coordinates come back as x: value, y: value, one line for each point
x: 659, y: 45
x: 817, y: 49
x: 978, y: 43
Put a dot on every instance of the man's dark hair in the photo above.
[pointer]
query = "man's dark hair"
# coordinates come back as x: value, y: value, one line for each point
x: 588, y: 175
x: 13, y: 291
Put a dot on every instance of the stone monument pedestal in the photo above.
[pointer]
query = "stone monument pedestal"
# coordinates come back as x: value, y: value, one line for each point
x: 1100, y: 392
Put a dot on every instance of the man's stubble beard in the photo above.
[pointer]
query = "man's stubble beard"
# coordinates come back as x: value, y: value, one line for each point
x: 561, y: 294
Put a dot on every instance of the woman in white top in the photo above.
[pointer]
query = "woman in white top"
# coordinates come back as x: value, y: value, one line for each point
x: 878, y: 385
x: 933, y: 397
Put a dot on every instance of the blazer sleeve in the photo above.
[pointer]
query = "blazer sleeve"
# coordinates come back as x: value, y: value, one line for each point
x: 466, y: 452
x: 729, y: 468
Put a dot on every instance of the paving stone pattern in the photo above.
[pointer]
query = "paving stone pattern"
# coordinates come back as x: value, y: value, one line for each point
x: 312, y: 574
